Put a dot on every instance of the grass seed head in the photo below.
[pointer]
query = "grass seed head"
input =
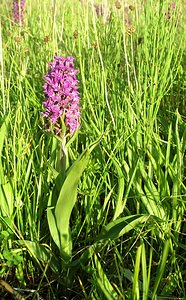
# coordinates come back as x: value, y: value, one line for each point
x: 118, y: 4
x: 75, y: 34
x: 46, y: 39
x: 131, y: 7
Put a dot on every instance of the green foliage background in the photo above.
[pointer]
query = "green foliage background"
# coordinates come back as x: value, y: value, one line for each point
x: 128, y: 223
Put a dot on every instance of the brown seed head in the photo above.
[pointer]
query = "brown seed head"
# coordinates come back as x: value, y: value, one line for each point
x: 131, y: 7
x: 118, y: 4
x: 27, y: 51
x: 9, y: 33
x: 75, y: 34
x: 46, y: 39
x: 94, y: 45
x: 17, y: 39
x: 130, y: 29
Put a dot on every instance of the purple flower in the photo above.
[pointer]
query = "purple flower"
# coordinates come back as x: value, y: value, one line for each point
x: 101, y: 12
x: 18, y: 11
x: 173, y: 6
x: 61, y: 96
x: 168, y: 15
x: 100, y: 9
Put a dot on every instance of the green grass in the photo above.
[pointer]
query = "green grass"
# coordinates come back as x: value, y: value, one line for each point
x: 127, y: 224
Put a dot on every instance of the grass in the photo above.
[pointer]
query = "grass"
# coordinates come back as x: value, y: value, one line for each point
x: 128, y: 221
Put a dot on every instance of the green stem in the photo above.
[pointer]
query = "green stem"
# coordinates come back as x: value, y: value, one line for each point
x: 161, y: 268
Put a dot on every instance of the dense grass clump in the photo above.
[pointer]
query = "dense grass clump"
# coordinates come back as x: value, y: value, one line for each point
x: 99, y: 214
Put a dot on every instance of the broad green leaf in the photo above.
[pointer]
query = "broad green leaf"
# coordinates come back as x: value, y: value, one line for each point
x: 114, y: 230
x: 151, y: 198
x: 161, y: 268
x: 6, y: 199
x: 167, y: 159
x: 148, y: 203
x: 121, y: 185
x: 130, y: 276
x: 66, y: 201
x: 121, y: 226
x: 51, y: 218
x: 135, y: 288
x: 42, y: 253
x: 103, y: 282
x: 144, y: 271
x: 8, y: 223
x: 3, y: 134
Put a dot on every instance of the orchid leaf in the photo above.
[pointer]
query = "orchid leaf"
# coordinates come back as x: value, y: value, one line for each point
x: 59, y: 217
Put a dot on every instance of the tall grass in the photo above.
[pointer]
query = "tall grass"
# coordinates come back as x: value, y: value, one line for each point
x: 127, y: 225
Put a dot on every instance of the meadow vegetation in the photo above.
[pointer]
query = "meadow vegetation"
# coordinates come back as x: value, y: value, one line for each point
x: 123, y: 191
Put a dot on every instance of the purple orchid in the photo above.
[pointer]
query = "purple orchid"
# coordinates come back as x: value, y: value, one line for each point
x: 173, y: 6
x: 102, y: 12
x: 62, y: 96
x: 18, y: 11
